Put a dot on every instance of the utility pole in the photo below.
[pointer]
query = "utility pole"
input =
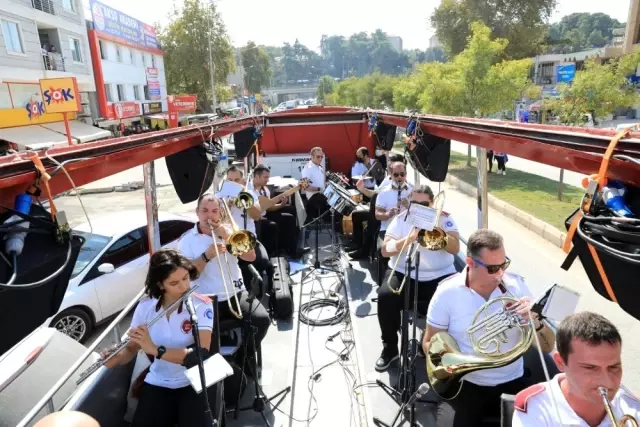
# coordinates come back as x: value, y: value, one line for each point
x: 212, y: 67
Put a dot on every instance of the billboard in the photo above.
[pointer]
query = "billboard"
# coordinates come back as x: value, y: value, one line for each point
x: 152, y: 107
x: 120, y: 28
x: 182, y: 103
x: 124, y: 110
x: 153, y: 84
x: 565, y: 73
x: 60, y: 95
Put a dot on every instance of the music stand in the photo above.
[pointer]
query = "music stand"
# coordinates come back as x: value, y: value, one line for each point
x: 406, y: 384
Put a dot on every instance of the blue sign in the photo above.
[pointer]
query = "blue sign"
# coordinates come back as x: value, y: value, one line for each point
x: 122, y: 28
x: 252, y: 99
x: 550, y: 93
x: 565, y: 73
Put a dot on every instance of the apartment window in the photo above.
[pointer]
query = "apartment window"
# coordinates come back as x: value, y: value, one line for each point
x: 118, y: 54
x: 107, y: 90
x: 136, y: 92
x: 12, y: 36
x: 121, y: 93
x: 69, y: 5
x: 131, y: 59
x: 103, y: 49
x: 74, y: 45
x: 146, y: 92
x: 144, y: 59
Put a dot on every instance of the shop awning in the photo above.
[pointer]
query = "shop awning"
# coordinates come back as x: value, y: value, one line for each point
x: 80, y: 132
x: 36, y: 137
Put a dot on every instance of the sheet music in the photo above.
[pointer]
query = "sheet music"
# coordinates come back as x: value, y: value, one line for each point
x: 229, y: 189
x: 215, y: 370
x: 422, y: 217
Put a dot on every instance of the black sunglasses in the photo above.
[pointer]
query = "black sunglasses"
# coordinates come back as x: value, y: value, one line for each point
x: 493, y: 269
x: 397, y: 174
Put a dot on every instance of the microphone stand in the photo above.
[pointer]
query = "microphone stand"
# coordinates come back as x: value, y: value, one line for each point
x: 203, y: 382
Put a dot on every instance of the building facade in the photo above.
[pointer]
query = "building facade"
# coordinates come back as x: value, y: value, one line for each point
x: 41, y: 39
x: 396, y: 42
x: 632, y: 32
x: 128, y: 66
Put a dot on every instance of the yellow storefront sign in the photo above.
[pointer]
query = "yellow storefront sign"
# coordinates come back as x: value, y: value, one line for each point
x: 60, y: 95
x: 31, y: 114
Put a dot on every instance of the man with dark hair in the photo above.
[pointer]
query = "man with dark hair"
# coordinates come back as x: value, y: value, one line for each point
x: 588, y: 352
x: 434, y: 267
x: 279, y: 227
x: 362, y: 165
x: 453, y: 308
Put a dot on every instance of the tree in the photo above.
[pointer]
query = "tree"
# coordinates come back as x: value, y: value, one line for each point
x: 523, y: 23
x: 185, y: 41
x: 581, y: 31
x: 257, y: 69
x: 599, y: 89
x: 325, y: 87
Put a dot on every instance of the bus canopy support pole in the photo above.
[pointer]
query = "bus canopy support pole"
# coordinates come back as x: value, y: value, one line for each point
x: 482, y: 188
x: 151, y: 203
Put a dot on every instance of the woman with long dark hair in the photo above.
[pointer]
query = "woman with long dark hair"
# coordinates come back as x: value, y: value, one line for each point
x: 166, y: 397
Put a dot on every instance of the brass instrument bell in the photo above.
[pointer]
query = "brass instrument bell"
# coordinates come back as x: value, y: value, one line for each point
x: 244, y: 200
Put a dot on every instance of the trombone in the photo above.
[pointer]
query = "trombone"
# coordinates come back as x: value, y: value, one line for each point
x: 626, y: 418
x: 243, y: 200
x: 433, y: 240
x: 239, y: 243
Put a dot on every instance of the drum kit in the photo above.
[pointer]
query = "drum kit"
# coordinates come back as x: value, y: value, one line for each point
x: 339, y: 199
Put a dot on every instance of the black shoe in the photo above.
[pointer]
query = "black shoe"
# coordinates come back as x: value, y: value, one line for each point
x: 388, y: 356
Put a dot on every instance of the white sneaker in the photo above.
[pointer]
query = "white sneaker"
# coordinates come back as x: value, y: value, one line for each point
x: 504, y: 172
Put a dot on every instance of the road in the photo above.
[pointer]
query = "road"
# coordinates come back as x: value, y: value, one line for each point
x: 570, y: 177
x: 534, y: 258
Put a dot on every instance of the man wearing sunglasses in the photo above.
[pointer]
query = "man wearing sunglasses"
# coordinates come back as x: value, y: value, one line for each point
x: 452, y: 309
x: 434, y: 266
x: 390, y: 200
x: 316, y: 201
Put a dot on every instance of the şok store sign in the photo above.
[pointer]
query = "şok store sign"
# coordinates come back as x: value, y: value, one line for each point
x: 120, y: 28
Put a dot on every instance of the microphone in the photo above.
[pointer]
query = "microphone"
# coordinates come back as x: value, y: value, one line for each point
x: 421, y: 391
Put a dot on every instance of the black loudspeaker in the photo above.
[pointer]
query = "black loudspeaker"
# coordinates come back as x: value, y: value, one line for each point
x: 430, y: 157
x: 23, y: 310
x: 191, y: 172
x: 243, y: 141
x: 385, y: 135
x: 58, y: 353
x: 618, y: 272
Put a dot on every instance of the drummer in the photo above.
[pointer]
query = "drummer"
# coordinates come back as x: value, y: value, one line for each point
x: 361, y: 167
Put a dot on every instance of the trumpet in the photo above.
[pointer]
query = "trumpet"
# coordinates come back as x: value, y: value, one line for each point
x: 433, y: 240
x: 607, y: 406
x: 113, y: 351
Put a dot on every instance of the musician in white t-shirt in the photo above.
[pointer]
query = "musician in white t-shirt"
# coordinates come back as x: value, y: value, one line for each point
x: 248, y: 216
x: 167, y: 398
x: 588, y: 352
x: 316, y: 200
x: 197, y: 245
x: 393, y: 198
x: 452, y: 309
x: 434, y: 266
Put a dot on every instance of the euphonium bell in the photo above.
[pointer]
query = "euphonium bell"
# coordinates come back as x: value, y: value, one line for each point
x: 244, y: 200
x: 446, y: 365
x: 437, y: 238
x: 241, y: 241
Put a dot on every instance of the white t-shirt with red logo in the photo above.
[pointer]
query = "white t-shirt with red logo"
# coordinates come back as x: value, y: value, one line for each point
x: 172, y: 332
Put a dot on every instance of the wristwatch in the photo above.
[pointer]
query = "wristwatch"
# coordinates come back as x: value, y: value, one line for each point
x: 540, y: 327
x: 161, y: 351
x: 204, y: 257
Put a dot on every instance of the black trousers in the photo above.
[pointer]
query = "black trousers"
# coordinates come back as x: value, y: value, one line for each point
x: 268, y: 234
x: 490, y: 159
x: 257, y: 312
x: 167, y: 407
x: 364, y: 237
x: 390, y: 305
x: 261, y: 264
x: 501, y: 163
x: 316, y: 206
x: 287, y: 229
x: 474, y: 403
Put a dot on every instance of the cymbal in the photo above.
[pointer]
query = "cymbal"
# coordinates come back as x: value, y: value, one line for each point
x: 359, y: 177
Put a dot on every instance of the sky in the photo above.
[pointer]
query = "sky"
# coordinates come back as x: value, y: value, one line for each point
x: 273, y: 22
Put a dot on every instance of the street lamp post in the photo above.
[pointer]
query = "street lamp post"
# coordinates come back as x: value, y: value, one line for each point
x: 212, y: 69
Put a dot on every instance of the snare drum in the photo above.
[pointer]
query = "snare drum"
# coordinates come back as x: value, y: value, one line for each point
x: 339, y: 199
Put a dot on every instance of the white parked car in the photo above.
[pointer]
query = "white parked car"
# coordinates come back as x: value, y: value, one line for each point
x: 111, y: 267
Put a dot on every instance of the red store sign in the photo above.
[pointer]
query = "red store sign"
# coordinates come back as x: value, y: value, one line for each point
x: 182, y: 104
x: 124, y: 110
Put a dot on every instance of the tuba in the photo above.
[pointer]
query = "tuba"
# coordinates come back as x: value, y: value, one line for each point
x: 607, y: 406
x: 433, y: 240
x: 446, y: 365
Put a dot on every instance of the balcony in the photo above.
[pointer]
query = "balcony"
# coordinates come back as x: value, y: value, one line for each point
x: 46, y: 6
x: 53, y: 61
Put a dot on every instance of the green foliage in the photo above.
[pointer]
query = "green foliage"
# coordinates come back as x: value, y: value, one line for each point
x: 476, y: 82
x: 325, y: 87
x: 257, y: 69
x: 185, y: 41
x: 581, y: 31
x: 523, y: 23
x: 599, y: 89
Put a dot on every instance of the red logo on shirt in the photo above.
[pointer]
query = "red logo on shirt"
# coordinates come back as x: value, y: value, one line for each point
x: 186, y: 326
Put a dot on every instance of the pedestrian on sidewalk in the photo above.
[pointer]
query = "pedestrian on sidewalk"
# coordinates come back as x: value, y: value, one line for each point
x: 501, y: 158
x: 490, y: 160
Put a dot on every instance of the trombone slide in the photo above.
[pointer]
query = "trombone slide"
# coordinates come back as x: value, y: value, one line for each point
x: 237, y: 312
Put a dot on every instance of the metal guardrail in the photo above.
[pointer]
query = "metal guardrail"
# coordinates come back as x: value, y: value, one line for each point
x: 47, y: 399
x: 53, y: 61
x: 46, y: 6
